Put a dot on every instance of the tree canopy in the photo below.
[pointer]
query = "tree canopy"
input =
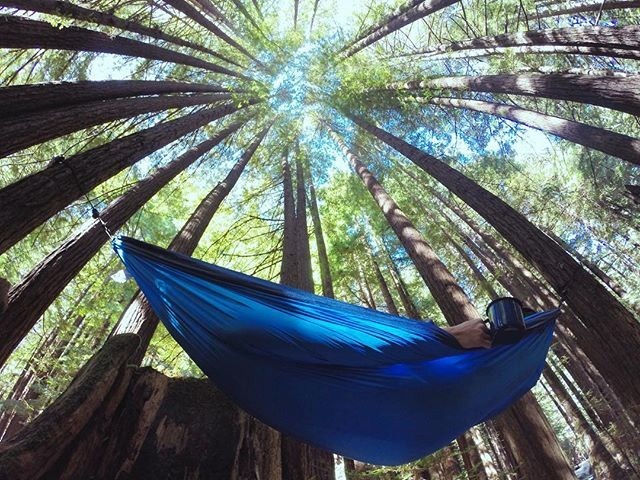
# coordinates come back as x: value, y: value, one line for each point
x: 535, y: 102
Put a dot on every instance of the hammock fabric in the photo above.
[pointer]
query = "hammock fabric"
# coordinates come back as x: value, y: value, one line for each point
x: 364, y: 384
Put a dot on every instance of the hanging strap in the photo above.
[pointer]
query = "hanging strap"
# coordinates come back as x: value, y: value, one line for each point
x: 94, y: 210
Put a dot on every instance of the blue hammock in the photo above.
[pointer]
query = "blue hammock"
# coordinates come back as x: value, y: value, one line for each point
x: 360, y: 383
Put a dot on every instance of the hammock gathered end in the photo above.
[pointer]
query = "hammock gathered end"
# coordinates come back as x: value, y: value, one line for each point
x: 367, y: 385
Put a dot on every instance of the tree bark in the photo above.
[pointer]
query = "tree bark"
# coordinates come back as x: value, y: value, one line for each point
x: 407, y: 302
x: 615, y: 38
x: 305, y: 278
x: 526, y: 429
x: 538, y: 50
x: 604, y: 463
x: 505, y: 458
x: 589, y: 299
x: 471, y: 458
x: 597, y: 271
x: 39, y: 288
x: 417, y: 12
x: 238, y: 4
x: 526, y: 418
x: 30, y: 201
x: 63, y: 8
x: 33, y: 379
x: 289, y: 268
x: 323, y: 259
x: 384, y: 288
x: 215, y: 11
x: 620, y: 93
x: 139, y: 317
x: 5, y: 286
x: 634, y: 192
x: 18, y: 32
x: 40, y: 444
x: 591, y: 7
x: 481, y: 280
x: 196, y: 16
x: 610, y: 412
x: 451, y: 299
x: 31, y: 129
x: 141, y: 424
x: 385, y: 21
x: 20, y: 100
x: 612, y: 143
x: 313, y: 15
x: 299, y: 460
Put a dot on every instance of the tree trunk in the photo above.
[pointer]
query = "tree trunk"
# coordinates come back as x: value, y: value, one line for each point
x: 599, y: 397
x: 323, y: 259
x: 299, y: 460
x: 591, y: 7
x: 18, y: 32
x: 215, y: 12
x: 24, y: 99
x: 505, y: 458
x: 409, y: 307
x: 30, y: 201
x: 451, y: 299
x: 39, y: 288
x: 385, y: 21
x: 407, y: 302
x: 305, y: 278
x: 118, y: 422
x: 417, y: 12
x: 367, y: 293
x: 384, y: 288
x: 540, y: 456
x: 589, y: 299
x: 289, y: 268
x: 29, y: 386
x: 525, y: 277
x: 471, y: 458
x: 604, y: 463
x: 139, y: 318
x: 24, y: 381
x: 615, y: 92
x: 615, y: 38
x: 481, y: 280
x: 450, y: 466
x: 313, y: 15
x: 612, y: 143
x: 621, y: 443
x: 40, y: 444
x: 634, y: 192
x: 5, y: 286
x: 238, y: 4
x: 597, y: 271
x: 63, y: 8
x: 32, y: 129
x: 196, y: 16
x: 538, y: 50
x: 528, y: 432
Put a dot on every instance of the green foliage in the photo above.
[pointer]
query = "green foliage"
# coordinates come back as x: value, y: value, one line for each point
x: 303, y: 82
